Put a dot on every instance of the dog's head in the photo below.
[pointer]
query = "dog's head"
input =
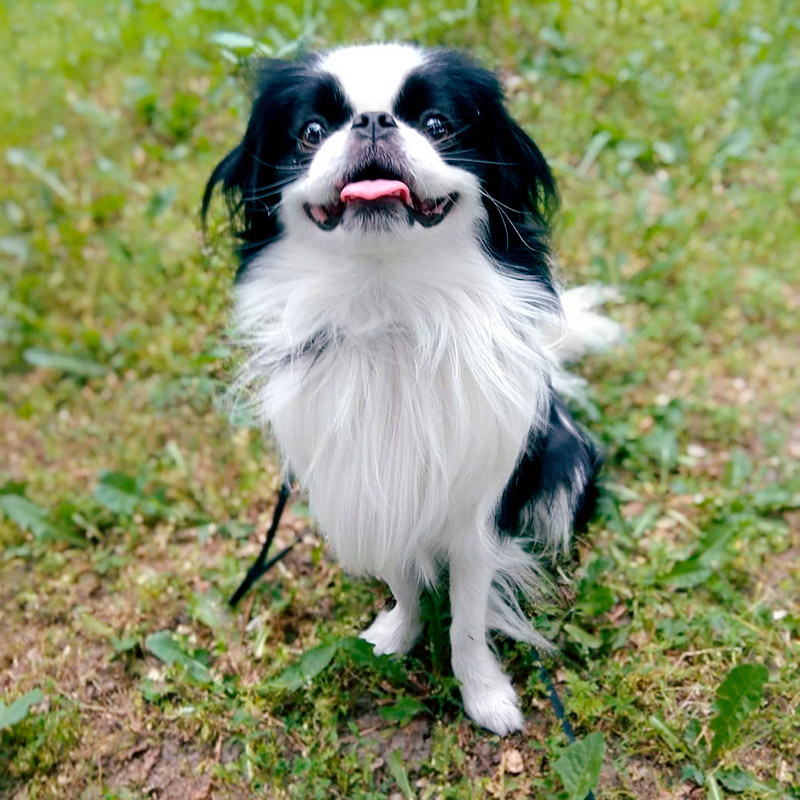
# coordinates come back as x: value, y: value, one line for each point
x: 380, y: 145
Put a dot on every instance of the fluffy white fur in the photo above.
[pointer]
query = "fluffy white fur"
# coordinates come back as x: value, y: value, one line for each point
x: 406, y: 427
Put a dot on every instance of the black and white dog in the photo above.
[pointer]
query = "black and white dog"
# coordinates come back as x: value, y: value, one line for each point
x: 405, y: 336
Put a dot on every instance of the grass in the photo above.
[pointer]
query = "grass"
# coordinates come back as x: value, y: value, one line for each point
x: 131, y: 505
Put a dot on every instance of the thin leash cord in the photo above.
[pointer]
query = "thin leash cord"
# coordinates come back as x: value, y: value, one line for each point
x: 555, y: 700
x: 261, y: 565
x: 558, y: 706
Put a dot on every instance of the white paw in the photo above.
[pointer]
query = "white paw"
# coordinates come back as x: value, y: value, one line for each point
x: 393, y: 632
x: 493, y: 705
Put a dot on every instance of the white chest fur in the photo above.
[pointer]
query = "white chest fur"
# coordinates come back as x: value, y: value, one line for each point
x: 406, y: 426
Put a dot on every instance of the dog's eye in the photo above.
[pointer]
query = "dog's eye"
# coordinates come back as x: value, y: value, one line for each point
x: 435, y: 126
x: 313, y: 133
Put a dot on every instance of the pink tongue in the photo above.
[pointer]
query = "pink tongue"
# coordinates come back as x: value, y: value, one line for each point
x: 374, y: 190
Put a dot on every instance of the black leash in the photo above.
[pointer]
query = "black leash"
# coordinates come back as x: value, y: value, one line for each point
x: 558, y: 706
x: 261, y: 565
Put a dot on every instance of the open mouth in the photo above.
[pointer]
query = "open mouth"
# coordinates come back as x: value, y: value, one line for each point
x: 374, y: 189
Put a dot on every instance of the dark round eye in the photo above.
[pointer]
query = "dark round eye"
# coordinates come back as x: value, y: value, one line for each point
x: 435, y: 126
x: 313, y: 133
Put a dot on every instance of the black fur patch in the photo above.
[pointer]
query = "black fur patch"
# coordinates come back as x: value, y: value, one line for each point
x: 518, y: 189
x: 551, y: 461
x: 288, y: 95
x: 519, y: 192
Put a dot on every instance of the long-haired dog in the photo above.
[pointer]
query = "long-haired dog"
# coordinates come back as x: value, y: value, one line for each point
x: 405, y: 335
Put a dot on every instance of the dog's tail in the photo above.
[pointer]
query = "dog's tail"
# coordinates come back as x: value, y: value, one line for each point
x: 583, y: 329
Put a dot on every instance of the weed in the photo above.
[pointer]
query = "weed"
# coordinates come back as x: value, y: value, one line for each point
x: 130, y: 504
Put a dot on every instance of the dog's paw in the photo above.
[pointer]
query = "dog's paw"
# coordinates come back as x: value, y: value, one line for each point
x: 393, y: 632
x: 493, y: 706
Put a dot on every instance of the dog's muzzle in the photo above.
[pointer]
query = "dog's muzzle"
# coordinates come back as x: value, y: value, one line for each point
x: 379, y: 183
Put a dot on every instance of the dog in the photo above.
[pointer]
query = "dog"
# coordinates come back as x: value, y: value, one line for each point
x: 405, y: 337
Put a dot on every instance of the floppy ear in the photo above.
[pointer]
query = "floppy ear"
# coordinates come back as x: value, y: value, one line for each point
x: 253, y: 173
x: 223, y: 173
x: 520, y: 180
x: 518, y: 189
x: 516, y: 181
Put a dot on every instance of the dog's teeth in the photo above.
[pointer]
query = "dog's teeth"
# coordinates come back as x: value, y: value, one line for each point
x: 319, y: 213
x: 432, y: 208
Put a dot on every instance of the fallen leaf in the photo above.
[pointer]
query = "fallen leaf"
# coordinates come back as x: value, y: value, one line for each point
x: 513, y: 761
x: 202, y: 792
x: 149, y: 761
x: 135, y: 750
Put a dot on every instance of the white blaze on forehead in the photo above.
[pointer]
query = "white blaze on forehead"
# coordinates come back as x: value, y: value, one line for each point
x: 371, y: 75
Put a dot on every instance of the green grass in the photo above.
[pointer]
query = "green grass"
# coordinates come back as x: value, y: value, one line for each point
x: 131, y: 505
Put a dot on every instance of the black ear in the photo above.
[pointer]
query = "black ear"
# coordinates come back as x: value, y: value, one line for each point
x: 223, y: 173
x: 520, y: 182
x: 519, y: 192
x: 254, y: 172
x: 519, y: 197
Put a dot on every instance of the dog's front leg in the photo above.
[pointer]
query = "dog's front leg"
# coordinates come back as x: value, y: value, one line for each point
x: 397, y: 630
x: 489, y: 698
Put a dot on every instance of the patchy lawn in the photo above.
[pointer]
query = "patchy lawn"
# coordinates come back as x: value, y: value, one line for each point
x: 130, y: 505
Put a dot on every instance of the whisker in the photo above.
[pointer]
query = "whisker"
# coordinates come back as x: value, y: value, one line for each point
x: 259, y: 243
x: 504, y: 216
x: 498, y: 203
x: 287, y: 167
x: 265, y: 191
x: 483, y: 161
x: 502, y: 219
x: 453, y: 134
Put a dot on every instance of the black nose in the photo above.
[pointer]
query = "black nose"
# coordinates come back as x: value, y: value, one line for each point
x: 374, y: 125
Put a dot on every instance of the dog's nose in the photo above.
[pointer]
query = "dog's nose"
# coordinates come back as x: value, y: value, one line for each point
x: 374, y: 125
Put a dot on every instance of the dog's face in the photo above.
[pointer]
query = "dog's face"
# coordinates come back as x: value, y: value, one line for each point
x: 382, y: 143
x: 373, y: 133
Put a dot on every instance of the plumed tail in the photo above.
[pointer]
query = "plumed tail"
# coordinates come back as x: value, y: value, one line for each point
x: 584, y: 329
